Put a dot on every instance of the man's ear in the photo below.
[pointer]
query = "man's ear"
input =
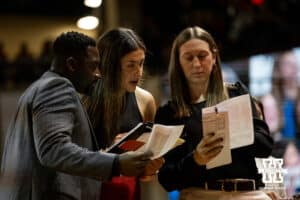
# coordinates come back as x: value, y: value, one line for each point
x: 71, y: 64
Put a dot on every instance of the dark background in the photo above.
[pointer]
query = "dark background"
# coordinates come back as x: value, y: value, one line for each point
x: 240, y: 27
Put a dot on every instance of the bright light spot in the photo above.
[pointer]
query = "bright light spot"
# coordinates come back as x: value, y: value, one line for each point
x: 88, y: 22
x: 92, y: 3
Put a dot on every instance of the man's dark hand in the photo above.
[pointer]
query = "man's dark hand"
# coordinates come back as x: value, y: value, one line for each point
x: 133, y: 163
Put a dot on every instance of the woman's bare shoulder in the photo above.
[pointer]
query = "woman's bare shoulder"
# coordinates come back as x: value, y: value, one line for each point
x: 143, y: 94
x: 146, y: 103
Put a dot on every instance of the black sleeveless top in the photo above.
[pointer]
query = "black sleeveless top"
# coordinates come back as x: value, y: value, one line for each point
x: 131, y: 115
x: 129, y: 118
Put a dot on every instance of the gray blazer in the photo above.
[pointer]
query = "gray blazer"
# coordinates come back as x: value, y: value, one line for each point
x: 50, y: 150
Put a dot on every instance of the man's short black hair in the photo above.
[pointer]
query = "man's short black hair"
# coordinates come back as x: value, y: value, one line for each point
x: 72, y: 44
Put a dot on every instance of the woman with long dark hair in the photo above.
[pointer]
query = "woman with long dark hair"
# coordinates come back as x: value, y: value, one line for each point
x: 118, y: 104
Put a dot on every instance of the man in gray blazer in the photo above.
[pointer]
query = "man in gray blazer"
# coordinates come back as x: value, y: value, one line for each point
x: 50, y: 150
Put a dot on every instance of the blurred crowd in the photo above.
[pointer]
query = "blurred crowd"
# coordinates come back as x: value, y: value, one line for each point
x: 24, y: 68
x: 280, y: 108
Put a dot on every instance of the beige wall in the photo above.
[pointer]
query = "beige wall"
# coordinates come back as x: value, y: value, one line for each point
x: 34, y: 31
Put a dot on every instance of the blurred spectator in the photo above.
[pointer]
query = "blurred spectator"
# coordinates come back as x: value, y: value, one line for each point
x: 24, y: 65
x: 3, y: 64
x: 297, y: 117
x: 287, y: 150
x: 272, y: 115
x: 291, y: 161
x: 44, y: 59
x: 285, y: 89
x: 274, y: 190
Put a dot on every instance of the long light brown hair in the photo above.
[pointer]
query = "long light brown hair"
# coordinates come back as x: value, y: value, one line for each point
x: 278, y: 81
x: 179, y: 87
x: 105, y: 105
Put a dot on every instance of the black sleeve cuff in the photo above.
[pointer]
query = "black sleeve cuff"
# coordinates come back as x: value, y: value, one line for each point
x: 115, y: 167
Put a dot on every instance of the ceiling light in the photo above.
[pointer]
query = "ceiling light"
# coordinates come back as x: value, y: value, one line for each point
x: 88, y: 22
x: 92, y: 3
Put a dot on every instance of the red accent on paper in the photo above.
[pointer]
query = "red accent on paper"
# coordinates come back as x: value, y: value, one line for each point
x: 131, y: 145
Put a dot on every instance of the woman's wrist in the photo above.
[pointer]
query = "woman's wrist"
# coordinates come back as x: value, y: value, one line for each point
x: 197, y: 159
x: 147, y: 178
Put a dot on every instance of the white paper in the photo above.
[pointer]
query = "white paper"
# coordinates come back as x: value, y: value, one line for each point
x: 162, y: 139
x: 239, y: 118
x: 218, y: 123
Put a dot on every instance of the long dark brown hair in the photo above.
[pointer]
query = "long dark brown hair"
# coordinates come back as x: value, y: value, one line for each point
x: 179, y: 87
x: 105, y: 105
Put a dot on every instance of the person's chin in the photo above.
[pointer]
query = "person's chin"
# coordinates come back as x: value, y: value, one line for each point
x: 131, y: 89
x: 199, y: 79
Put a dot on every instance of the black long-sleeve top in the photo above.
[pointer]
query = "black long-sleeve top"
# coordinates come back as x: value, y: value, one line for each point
x: 181, y: 171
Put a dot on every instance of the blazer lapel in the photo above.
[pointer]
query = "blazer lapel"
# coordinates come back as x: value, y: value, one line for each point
x: 90, y: 126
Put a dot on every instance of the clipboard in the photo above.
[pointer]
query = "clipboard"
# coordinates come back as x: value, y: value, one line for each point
x: 129, y: 142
